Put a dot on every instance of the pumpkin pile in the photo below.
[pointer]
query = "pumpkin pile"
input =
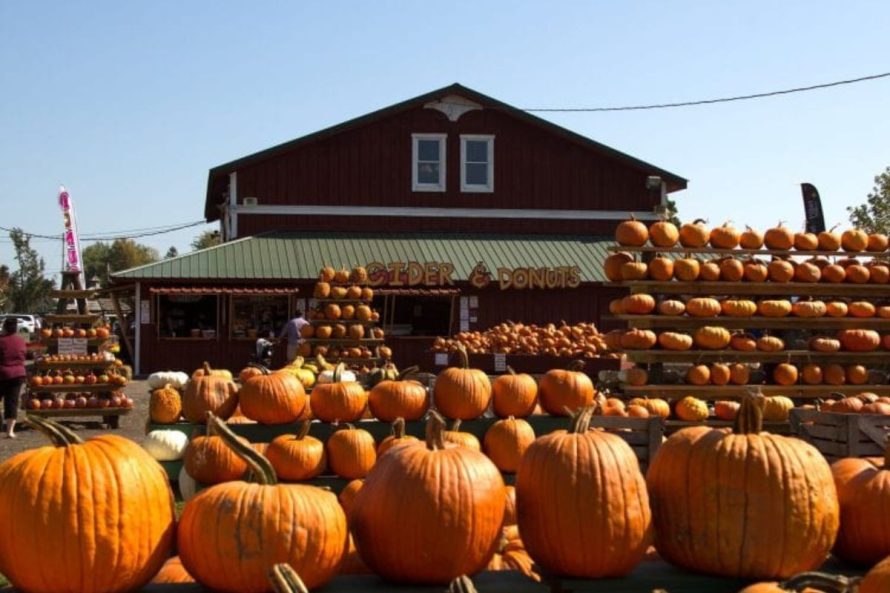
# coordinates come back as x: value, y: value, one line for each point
x: 696, y: 235
x: 343, y: 325
x: 581, y: 340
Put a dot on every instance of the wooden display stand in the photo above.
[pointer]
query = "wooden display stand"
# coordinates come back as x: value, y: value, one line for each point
x: 768, y: 289
x: 72, y: 290
x: 842, y: 435
x: 371, y: 343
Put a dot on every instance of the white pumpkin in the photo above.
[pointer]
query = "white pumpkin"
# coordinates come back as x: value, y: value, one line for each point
x: 328, y: 376
x: 177, y: 379
x: 165, y: 445
x: 187, y: 485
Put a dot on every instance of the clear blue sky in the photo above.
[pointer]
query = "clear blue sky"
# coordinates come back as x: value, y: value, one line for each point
x: 129, y: 104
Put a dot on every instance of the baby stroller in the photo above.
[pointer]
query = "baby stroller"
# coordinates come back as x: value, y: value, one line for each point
x: 264, y: 351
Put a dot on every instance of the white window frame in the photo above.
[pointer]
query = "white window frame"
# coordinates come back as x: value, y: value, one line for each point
x: 477, y: 188
x: 415, y: 184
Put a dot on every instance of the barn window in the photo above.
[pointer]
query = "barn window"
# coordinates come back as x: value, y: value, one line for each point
x: 428, y: 162
x: 477, y: 163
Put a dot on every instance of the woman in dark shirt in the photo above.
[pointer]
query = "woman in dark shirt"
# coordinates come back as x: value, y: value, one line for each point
x: 12, y: 372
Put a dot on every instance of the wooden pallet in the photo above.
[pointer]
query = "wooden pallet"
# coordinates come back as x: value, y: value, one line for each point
x: 711, y: 392
x: 753, y: 322
x: 842, y: 435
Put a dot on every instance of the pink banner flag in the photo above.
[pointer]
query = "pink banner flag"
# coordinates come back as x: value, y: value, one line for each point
x: 72, y: 245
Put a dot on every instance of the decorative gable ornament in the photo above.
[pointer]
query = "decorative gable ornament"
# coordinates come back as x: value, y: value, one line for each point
x: 453, y: 106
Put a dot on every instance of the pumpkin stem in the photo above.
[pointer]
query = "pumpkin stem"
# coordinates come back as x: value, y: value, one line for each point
x: 581, y: 420
x: 305, y: 425
x: 207, y: 369
x: 60, y: 436
x: 398, y: 428
x: 510, y: 370
x: 435, y: 431
x: 830, y: 583
x: 576, y: 365
x: 408, y: 371
x: 749, y: 419
x: 285, y: 579
x: 260, y: 467
x: 463, y: 357
x: 462, y: 584
x: 338, y: 370
x: 455, y: 426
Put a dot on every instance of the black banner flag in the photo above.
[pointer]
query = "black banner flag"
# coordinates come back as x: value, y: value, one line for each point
x: 812, y: 205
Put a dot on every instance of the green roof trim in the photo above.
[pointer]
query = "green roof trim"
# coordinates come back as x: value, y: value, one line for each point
x: 282, y: 256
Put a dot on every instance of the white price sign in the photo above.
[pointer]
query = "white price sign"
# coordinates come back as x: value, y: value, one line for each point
x: 76, y: 346
x: 441, y: 359
x: 500, y: 363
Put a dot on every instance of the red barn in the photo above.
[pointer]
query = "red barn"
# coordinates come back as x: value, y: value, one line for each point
x: 443, y: 182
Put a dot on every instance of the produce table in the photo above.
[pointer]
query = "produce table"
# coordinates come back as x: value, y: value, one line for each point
x: 647, y: 577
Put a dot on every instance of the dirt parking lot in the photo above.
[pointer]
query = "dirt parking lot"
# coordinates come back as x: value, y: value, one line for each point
x: 132, y: 425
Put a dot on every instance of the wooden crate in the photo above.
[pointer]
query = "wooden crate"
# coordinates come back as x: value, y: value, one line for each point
x: 842, y: 435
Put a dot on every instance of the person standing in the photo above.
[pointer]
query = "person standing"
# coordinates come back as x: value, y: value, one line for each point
x: 13, y: 350
x: 291, y: 332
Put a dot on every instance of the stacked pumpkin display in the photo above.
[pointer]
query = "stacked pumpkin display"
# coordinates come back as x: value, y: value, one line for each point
x: 760, y: 261
x: 77, y: 384
x: 343, y: 326
x: 581, y: 340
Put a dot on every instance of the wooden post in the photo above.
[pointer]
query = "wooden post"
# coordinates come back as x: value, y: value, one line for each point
x: 852, y: 435
x: 122, y: 323
x: 656, y: 434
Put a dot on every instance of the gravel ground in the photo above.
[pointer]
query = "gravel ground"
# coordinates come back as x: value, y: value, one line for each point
x: 132, y: 425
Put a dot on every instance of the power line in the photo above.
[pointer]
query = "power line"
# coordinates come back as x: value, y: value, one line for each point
x: 720, y: 100
x: 114, y: 235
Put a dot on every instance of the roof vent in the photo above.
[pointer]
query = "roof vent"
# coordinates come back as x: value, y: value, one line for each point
x: 251, y: 201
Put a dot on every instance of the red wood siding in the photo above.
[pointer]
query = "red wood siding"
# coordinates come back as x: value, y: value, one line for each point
x: 371, y: 166
x: 251, y: 224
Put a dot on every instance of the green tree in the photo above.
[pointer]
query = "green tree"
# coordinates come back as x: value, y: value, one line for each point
x: 172, y: 252
x: 4, y: 286
x: 672, y: 211
x: 101, y: 259
x: 208, y: 238
x: 874, y: 215
x: 28, y: 290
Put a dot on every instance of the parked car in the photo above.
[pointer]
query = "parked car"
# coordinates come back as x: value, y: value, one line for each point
x: 27, y: 324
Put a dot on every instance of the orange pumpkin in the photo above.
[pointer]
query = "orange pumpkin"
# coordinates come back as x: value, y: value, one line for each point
x: 506, y: 441
x: 272, y: 398
x: 720, y: 373
x: 785, y: 374
x: 675, y: 341
x: 862, y: 309
x: 806, y: 241
x: 724, y: 236
x: 663, y: 234
x: 854, y: 240
x: 726, y: 410
x: 638, y: 339
x: 687, y: 269
x: 743, y: 342
x: 209, y: 393
x: 691, y: 409
x: 829, y: 240
x: 774, y: 307
x: 755, y: 271
x: 613, y: 264
x: 661, y: 268
x: 75, y: 492
x: 673, y: 307
x: 634, y: 270
x: 172, y: 572
x: 833, y: 273
x: 694, y: 234
x: 780, y: 270
x: 837, y: 309
x: 703, y: 307
x: 750, y: 239
x: 738, y: 307
x: 399, y: 398
x: 566, y: 475
x: 834, y: 374
x: 297, y: 456
x: 731, y: 270
x: 514, y: 394
x: 878, y: 273
x: 710, y: 271
x: 461, y: 392
x: 565, y: 389
x: 811, y: 374
x: 859, y: 340
x: 632, y: 233
x: 779, y: 238
x: 404, y: 488
x: 398, y: 437
x: 857, y: 274
x: 711, y: 337
x: 638, y: 304
x: 807, y: 272
x: 760, y: 546
x: 343, y: 401
x: 351, y: 452
x: 739, y: 374
x: 698, y: 374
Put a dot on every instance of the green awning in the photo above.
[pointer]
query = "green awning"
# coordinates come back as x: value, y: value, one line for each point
x: 300, y: 256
